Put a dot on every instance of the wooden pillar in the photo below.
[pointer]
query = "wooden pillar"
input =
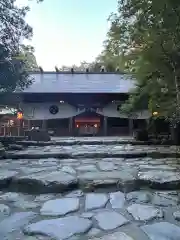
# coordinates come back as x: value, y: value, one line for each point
x: 131, y: 127
x: 19, y: 128
x: 70, y: 125
x: 105, y: 126
x: 4, y: 131
x: 147, y: 123
x: 29, y: 124
x: 44, y: 125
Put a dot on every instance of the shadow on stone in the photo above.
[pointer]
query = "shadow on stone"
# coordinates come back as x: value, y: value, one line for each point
x: 2, y: 151
x: 35, y: 186
x: 44, y: 183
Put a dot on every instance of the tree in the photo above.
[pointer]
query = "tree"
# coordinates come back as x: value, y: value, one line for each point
x: 92, y: 66
x: 112, y: 57
x: 15, y: 58
x: 13, y: 72
x: 13, y: 26
x: 147, y: 34
x: 27, y: 53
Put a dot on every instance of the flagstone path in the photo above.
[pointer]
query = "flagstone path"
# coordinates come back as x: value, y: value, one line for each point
x: 84, y: 197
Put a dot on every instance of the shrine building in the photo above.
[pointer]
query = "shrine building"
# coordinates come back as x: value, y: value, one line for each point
x: 80, y: 103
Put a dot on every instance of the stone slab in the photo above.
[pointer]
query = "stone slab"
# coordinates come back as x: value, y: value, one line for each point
x: 43, y: 197
x: 177, y: 215
x: 158, y: 177
x: 2, y: 150
x: 40, y: 169
x: 139, y: 196
x: 10, y: 196
x: 95, y: 200
x: 106, y: 166
x: 114, y: 236
x: 59, y: 207
x: 15, y: 147
x: 75, y: 193
x: 94, y: 232
x: 117, y: 199
x: 46, y: 181
x: 60, y: 228
x: 15, y: 222
x: 165, y: 199
x: 4, y: 211
x: 24, y: 204
x: 144, y: 212
x: 122, y: 176
x: 68, y: 169
x: 162, y: 231
x: 109, y: 220
x: 87, y: 168
x: 6, y: 176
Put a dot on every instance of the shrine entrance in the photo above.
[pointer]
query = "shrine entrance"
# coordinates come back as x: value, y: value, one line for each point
x: 87, y: 126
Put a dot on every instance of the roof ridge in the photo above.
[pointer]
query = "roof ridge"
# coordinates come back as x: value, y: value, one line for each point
x: 76, y: 72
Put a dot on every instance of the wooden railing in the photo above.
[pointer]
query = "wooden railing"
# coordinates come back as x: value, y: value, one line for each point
x: 12, y: 131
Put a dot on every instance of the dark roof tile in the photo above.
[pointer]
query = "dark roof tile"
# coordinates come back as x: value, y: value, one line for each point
x: 52, y: 82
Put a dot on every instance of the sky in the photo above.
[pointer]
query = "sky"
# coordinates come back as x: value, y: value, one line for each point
x: 67, y: 32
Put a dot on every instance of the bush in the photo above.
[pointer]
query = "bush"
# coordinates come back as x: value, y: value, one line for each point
x: 175, y: 135
x: 141, y: 135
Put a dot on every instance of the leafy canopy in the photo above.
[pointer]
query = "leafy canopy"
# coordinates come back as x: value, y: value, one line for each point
x: 147, y: 35
x: 13, y: 60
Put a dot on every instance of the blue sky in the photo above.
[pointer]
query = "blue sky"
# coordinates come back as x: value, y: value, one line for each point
x: 67, y: 32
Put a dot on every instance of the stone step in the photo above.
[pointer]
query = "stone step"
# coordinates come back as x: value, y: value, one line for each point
x: 89, y: 142
x: 92, y: 151
x: 59, y: 175
x: 60, y: 155
x: 78, y: 155
x: 11, y: 139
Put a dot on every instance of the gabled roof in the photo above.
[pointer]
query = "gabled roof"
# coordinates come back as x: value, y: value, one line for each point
x: 80, y: 82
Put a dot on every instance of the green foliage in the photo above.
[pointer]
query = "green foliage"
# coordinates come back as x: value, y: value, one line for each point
x: 27, y: 54
x: 12, y: 71
x: 15, y: 59
x: 93, y: 67
x: 147, y: 35
x: 13, y: 26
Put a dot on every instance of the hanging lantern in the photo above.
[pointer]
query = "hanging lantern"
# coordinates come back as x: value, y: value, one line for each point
x: 19, y: 115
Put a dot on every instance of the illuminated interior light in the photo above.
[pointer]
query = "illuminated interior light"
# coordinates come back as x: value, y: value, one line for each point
x: 11, y: 122
x: 155, y: 114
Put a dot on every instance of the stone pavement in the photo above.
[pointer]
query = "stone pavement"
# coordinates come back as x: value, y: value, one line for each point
x: 58, y: 175
x: 99, y: 198
x: 98, y: 150
x: 77, y: 215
